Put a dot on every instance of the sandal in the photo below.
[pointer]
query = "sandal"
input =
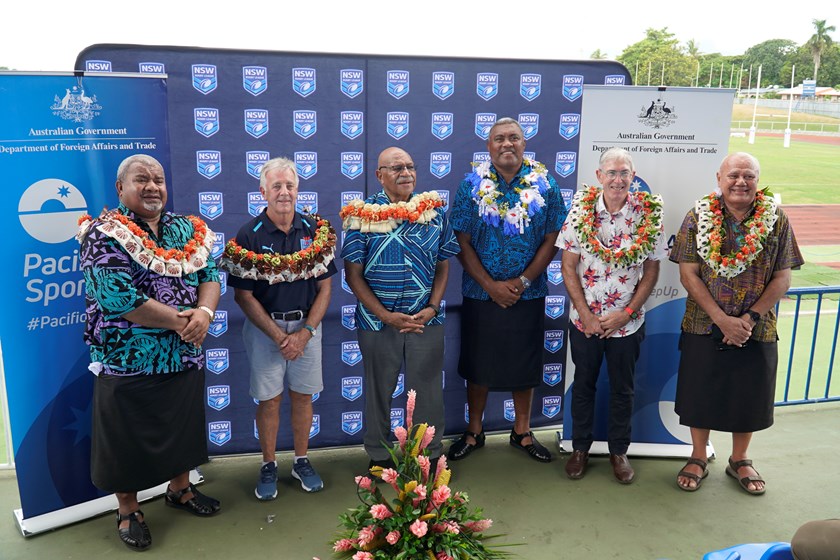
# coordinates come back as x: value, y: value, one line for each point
x: 698, y: 479
x: 137, y: 535
x: 460, y: 449
x: 199, y: 504
x: 732, y: 470
x: 535, y: 449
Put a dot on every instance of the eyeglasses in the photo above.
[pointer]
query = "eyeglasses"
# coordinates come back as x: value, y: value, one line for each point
x: 398, y: 169
x: 613, y: 174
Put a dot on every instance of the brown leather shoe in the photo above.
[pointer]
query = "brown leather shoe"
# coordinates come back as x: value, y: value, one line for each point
x: 576, y: 465
x: 624, y: 473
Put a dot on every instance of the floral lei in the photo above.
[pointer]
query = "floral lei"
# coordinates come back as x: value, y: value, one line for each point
x: 310, y: 262
x: 382, y: 218
x: 145, y: 252
x: 710, y: 233
x: 533, y: 185
x: 648, y: 232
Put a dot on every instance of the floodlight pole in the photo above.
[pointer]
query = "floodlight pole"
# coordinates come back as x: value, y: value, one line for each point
x: 697, y: 76
x: 790, y: 106
x: 755, y: 106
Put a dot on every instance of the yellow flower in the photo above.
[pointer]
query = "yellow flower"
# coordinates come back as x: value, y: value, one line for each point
x: 417, y: 439
x: 443, y: 479
x: 409, y: 487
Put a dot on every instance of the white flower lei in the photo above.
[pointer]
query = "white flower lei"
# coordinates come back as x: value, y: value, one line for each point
x: 531, y: 201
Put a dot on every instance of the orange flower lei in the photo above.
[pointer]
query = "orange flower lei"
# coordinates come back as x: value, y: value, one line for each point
x: 275, y: 267
x: 382, y: 218
x: 710, y: 233
x: 582, y: 218
x: 145, y: 252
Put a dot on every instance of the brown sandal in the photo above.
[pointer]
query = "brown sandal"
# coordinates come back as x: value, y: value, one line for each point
x: 732, y: 470
x: 698, y: 479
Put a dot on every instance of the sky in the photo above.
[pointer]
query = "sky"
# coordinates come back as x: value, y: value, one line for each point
x: 38, y: 36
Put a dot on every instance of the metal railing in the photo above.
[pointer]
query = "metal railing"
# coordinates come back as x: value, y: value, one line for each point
x: 780, y: 126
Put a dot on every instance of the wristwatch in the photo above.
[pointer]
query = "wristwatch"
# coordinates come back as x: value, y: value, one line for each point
x: 525, y: 282
x: 633, y: 314
x: 754, y: 315
x: 434, y: 308
x: 312, y: 330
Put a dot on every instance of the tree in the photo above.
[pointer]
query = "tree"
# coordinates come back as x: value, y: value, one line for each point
x: 693, y: 49
x: 658, y: 59
x: 771, y: 56
x: 829, y: 65
x: 819, y: 42
x: 598, y: 55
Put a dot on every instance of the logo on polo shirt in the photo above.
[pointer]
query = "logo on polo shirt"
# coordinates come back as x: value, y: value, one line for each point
x: 348, y: 317
x: 572, y: 86
x: 218, y: 396
x: 350, y: 353
x: 487, y: 85
x: 206, y: 121
x: 219, y: 432
x: 398, y: 390
x: 397, y: 418
x: 351, y: 388
x: 530, y: 86
x: 208, y: 163
x: 553, y: 341
x: 305, y: 123
x: 256, y: 122
x: 304, y: 81
x: 254, y: 79
x: 351, y: 422
x: 217, y: 359
x: 551, y: 406
x: 210, y: 204
x: 398, y: 83
x: 219, y: 325
x: 510, y: 413
x: 565, y: 163
x: 204, y: 77
x: 552, y: 374
x: 352, y: 82
x: 555, y: 272
x: 569, y: 125
x: 443, y: 84
x: 555, y: 306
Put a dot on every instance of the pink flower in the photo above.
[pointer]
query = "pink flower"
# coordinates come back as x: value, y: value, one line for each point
x: 390, y: 476
x: 363, y: 556
x: 380, y: 511
x: 343, y: 545
x: 441, y: 466
x: 443, y: 556
x: 478, y: 526
x: 440, y: 495
x: 409, y: 406
x: 402, y: 435
x: 366, y: 535
x: 419, y: 528
x: 452, y: 527
x: 427, y: 437
x: 425, y: 466
x: 393, y: 537
x: 364, y: 482
x: 421, y: 495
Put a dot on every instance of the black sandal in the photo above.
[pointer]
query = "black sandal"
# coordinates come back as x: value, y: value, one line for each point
x: 137, y: 535
x: 460, y: 449
x: 199, y: 504
x: 535, y: 449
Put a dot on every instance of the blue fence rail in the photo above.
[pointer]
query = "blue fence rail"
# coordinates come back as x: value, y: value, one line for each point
x: 809, y: 321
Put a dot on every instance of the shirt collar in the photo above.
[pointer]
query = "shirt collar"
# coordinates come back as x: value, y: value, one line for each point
x: 601, y: 207
x: 270, y: 227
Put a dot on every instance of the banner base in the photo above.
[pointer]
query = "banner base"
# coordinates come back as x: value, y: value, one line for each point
x: 675, y: 450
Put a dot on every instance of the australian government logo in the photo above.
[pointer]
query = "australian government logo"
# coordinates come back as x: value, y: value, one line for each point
x: 352, y: 82
x: 657, y: 114
x: 75, y: 106
x: 443, y: 84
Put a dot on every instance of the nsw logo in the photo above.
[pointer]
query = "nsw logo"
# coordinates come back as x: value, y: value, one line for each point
x: 151, y: 68
x: 351, y: 388
x: 553, y: 341
x: 217, y: 359
x: 397, y: 418
x: 555, y: 272
x: 530, y: 86
x: 349, y: 196
x: 206, y: 121
x: 256, y: 203
x: 552, y: 374
x: 567, y: 195
x: 614, y: 80
x: 210, y: 204
x: 218, y: 396
x: 303, y: 81
x: 306, y: 123
x: 208, y: 163
x: 351, y: 422
x: 551, y: 406
x: 350, y: 353
x: 254, y: 79
x: 443, y: 84
x: 316, y: 426
x: 569, y: 125
x: 204, y: 77
x: 97, y: 66
x: 487, y: 85
x: 397, y: 124
x: 444, y: 196
x: 555, y: 306
x: 565, y: 163
x: 222, y: 282
x: 442, y: 125
x: 398, y: 390
x: 218, y: 245
x: 510, y: 414
x: 254, y: 162
x: 440, y: 164
x: 352, y: 164
x: 220, y: 432
x: 352, y: 82
x: 348, y: 317
x: 306, y: 164
x: 352, y: 124
x: 483, y: 123
x: 346, y: 287
x: 219, y: 325
x: 530, y: 123
x: 572, y: 86
x: 256, y: 122
x: 398, y: 83
x: 481, y: 157
x: 307, y: 203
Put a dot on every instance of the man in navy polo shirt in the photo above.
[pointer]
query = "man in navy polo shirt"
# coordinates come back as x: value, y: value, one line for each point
x: 280, y: 266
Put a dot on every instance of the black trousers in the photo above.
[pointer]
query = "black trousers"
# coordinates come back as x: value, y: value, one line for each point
x: 588, y: 354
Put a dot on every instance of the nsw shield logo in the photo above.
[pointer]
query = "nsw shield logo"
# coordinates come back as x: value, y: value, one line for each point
x: 210, y: 204
x: 307, y: 203
x: 306, y: 123
x: 530, y: 123
x: 551, y: 406
x: 443, y: 84
x: 348, y: 317
x: 530, y: 86
x: 254, y: 79
x: 217, y: 359
x: 565, y: 163
x: 442, y: 125
x: 553, y: 341
x: 483, y: 123
x: 304, y: 81
x: 352, y: 82
x: 351, y: 422
x: 256, y: 203
x: 306, y: 164
x: 397, y: 124
x: 555, y: 306
x: 256, y: 122
x: 352, y: 124
x: 614, y: 80
x: 204, y: 77
x: 398, y: 83
x: 316, y: 426
x: 572, y: 86
x: 569, y: 125
x: 351, y: 388
x: 440, y: 164
x: 206, y: 121
x: 218, y: 396
x: 510, y: 414
x: 352, y: 164
x: 254, y: 162
x: 208, y: 163
x: 555, y: 272
x: 552, y: 374
x: 219, y: 325
x: 487, y: 85
x: 398, y: 390
x: 350, y: 353
x: 219, y: 432
x: 397, y: 418
x: 218, y: 247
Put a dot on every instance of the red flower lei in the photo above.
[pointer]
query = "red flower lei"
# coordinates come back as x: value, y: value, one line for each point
x: 382, y: 218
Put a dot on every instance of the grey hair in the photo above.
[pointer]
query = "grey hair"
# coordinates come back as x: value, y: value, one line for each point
x: 279, y: 163
x: 122, y: 170
x: 616, y: 154
x: 506, y: 120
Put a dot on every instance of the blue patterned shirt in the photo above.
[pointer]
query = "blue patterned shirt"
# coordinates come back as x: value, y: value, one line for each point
x: 115, y: 285
x: 399, y: 266
x: 504, y: 256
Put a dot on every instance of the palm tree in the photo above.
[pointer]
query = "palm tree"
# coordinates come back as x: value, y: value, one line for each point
x: 692, y: 49
x: 819, y: 42
x: 598, y: 55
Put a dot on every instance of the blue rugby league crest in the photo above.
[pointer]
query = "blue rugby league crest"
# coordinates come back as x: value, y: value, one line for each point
x: 218, y: 396
x: 98, y: 66
x: 443, y: 84
x: 551, y: 406
x: 555, y: 272
x: 442, y: 125
x: 306, y: 123
x: 567, y: 195
x: 614, y: 80
x: 552, y: 374
x: 510, y: 413
x: 208, y: 163
x: 316, y: 426
x: 206, y: 121
x: 352, y: 124
x: 349, y: 196
x: 304, y: 81
x: 350, y: 353
x: 307, y: 203
x: 254, y: 162
x: 397, y: 124
x: 565, y: 163
x: 204, y: 77
x: 398, y: 83
x: 306, y: 164
x: 483, y: 123
x: 553, y: 340
x: 555, y: 306
x: 530, y: 123
x: 348, y: 317
x: 351, y: 422
x: 352, y: 164
x: 398, y: 390
x: 256, y: 122
x: 397, y: 418
x: 219, y: 325
x: 530, y: 86
x: 352, y: 82
x: 351, y: 388
x: 210, y: 204
x: 440, y: 164
x: 256, y: 203
x: 217, y: 360
x: 151, y: 67
x: 569, y: 125
x: 219, y: 432
x: 572, y: 86
x: 216, y: 252
x: 487, y: 85
x: 254, y: 79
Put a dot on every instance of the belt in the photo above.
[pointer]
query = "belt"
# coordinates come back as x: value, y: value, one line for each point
x: 295, y: 315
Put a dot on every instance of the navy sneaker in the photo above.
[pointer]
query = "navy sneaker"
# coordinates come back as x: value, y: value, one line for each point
x: 309, y: 480
x: 267, y: 484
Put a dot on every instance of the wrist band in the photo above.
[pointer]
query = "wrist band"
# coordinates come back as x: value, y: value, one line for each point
x: 208, y: 310
x: 434, y: 308
x: 633, y: 314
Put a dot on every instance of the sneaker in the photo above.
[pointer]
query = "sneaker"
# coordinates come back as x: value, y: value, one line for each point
x: 267, y: 485
x: 305, y: 473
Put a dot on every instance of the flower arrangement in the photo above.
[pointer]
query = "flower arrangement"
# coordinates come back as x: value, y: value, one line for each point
x: 710, y: 233
x: 583, y: 218
x: 382, y: 218
x: 533, y: 185
x: 424, y: 520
